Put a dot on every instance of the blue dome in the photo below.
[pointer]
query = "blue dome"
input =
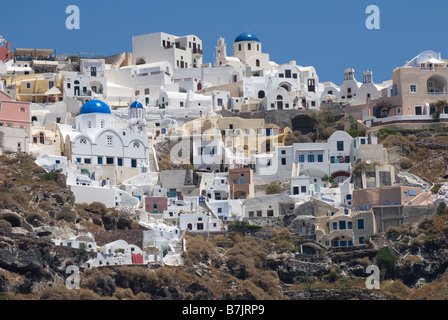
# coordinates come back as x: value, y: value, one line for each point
x: 246, y: 36
x: 136, y: 104
x: 94, y: 106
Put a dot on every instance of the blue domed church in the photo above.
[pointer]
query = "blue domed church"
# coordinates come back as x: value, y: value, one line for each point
x: 247, y: 52
x: 100, y: 141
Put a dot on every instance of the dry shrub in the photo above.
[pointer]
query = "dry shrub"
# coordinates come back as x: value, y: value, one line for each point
x: 124, y: 294
x: 198, y: 250
x: 281, y: 240
x: 99, y: 282
x: 269, y: 282
x: 396, y: 288
x: 13, y: 198
x: 245, y: 257
x: 164, y: 162
x: 398, y: 140
x: 45, y: 205
x: 138, y: 279
x: 406, y: 163
x: 256, y: 292
x: 5, y: 225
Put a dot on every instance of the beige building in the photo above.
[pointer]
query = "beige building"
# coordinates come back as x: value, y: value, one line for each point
x: 365, y: 199
x: 416, y: 88
x: 346, y: 229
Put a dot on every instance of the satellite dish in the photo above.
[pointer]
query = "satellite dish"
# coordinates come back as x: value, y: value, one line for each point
x: 368, y: 161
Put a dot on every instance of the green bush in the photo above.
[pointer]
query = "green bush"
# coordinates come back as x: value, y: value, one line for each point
x: 357, y: 133
x: 386, y: 263
x: 383, y: 133
x: 50, y: 176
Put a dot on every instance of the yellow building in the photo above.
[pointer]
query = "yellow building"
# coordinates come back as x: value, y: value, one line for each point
x: 43, y: 88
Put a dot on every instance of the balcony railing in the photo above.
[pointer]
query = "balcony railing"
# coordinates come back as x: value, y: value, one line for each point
x: 197, y: 51
x: 437, y: 93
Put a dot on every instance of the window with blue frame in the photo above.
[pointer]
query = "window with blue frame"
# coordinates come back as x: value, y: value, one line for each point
x: 343, y: 243
x: 327, y: 243
x: 301, y: 158
x: 363, y: 141
x: 349, y: 225
x: 100, y: 160
x: 350, y: 243
x: 219, y: 210
x: 340, y: 145
x: 120, y: 162
x: 335, y: 225
x: 361, y: 240
x: 342, y: 225
x: 360, y: 224
x: 335, y: 243
x: 320, y: 158
x: 311, y: 158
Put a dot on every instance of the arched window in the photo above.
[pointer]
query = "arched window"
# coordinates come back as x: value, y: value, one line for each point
x: 136, y: 145
x: 249, y: 47
x: 261, y: 94
x: 279, y: 97
x: 257, y: 63
x: 41, y: 138
x: 239, y: 47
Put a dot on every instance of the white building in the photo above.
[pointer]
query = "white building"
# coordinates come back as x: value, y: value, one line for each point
x: 89, y: 82
x: 99, y: 143
x: 82, y: 241
x: 180, y: 52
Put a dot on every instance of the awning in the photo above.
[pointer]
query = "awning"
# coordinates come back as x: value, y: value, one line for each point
x: 34, y: 52
x: 54, y: 90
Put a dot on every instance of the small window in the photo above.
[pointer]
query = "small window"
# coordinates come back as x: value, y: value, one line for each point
x: 360, y: 224
x: 109, y: 141
x: 303, y: 189
x: 340, y: 145
x: 413, y: 88
x: 301, y: 158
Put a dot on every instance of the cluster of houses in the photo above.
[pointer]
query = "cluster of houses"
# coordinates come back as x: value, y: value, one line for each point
x: 104, y: 122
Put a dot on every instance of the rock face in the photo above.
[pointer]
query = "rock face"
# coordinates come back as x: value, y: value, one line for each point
x: 288, y: 267
x: 35, y: 259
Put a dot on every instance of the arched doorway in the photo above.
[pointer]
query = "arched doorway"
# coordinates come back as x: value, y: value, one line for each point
x: 41, y: 138
x: 279, y: 102
x: 76, y: 88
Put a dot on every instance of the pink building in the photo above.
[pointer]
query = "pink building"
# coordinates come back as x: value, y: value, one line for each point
x: 156, y: 204
x: 15, y: 114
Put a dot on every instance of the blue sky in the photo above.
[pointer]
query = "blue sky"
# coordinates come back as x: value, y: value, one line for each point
x: 327, y: 34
